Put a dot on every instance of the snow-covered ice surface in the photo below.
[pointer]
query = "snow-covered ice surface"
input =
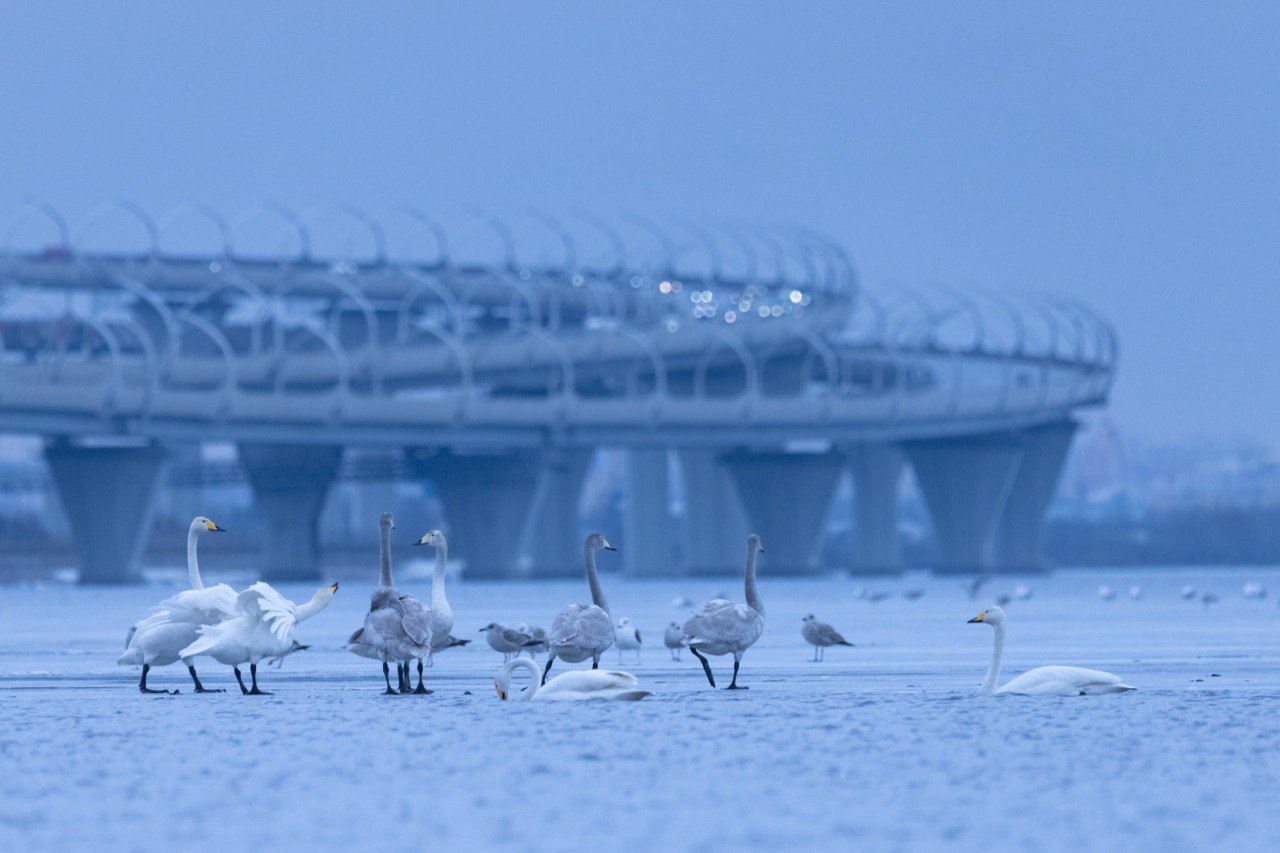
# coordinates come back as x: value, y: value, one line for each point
x: 883, y: 746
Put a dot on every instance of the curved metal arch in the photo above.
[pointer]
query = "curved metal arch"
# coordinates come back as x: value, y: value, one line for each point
x: 503, y: 233
x: 200, y: 209
x: 37, y: 207
x: 231, y: 280
x: 819, y: 347
x: 751, y: 393
x: 518, y: 288
x: 230, y: 375
x: 360, y: 216
x: 708, y: 241
x: 437, y: 233
x: 152, y: 362
x: 883, y: 340
x: 421, y: 285
x: 568, y: 375
x: 372, y: 344
x: 661, y: 238
x: 112, y: 341
x: 103, y: 210
x: 615, y: 239
x: 1009, y: 361
x: 289, y: 216
x: 657, y: 362
x: 466, y: 367
x: 748, y: 249
x: 556, y: 227
x: 341, y: 393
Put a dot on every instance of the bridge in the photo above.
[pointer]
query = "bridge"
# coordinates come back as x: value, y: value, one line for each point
x: 496, y: 355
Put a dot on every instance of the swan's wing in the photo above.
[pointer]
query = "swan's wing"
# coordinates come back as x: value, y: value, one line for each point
x: 735, y: 623
x: 588, y: 681
x: 212, y: 636
x: 714, y: 605
x: 566, y: 625
x: 585, y: 626
x: 414, y: 620
x: 201, y: 606
x: 262, y: 602
x: 1064, y: 681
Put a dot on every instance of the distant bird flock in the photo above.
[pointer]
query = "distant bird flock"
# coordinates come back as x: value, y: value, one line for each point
x: 257, y: 625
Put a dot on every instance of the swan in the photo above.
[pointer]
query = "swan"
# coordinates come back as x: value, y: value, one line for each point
x: 820, y: 635
x: 509, y: 641
x: 582, y: 631
x: 1044, y: 680
x: 396, y: 628
x: 726, y: 628
x: 673, y: 639
x: 579, y: 685
x: 158, y: 639
x: 440, y: 613
x: 262, y: 629
x: 628, y: 638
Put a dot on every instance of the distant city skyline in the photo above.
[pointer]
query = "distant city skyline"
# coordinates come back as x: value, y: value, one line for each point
x: 1123, y: 155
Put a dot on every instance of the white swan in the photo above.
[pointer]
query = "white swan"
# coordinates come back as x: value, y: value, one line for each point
x: 726, y: 628
x: 158, y: 640
x: 1044, y: 680
x: 396, y: 628
x: 628, y: 638
x: 582, y: 631
x: 578, y: 685
x: 440, y: 613
x: 262, y: 629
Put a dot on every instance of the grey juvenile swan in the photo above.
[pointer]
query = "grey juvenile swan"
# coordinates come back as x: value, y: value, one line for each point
x: 396, y: 627
x: 723, y: 627
x: 582, y: 631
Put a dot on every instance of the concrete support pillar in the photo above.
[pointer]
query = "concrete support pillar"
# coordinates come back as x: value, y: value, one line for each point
x: 966, y: 484
x: 649, y: 543
x: 552, y: 538
x: 109, y: 497
x: 877, y: 473
x: 715, y: 525
x: 1021, y: 538
x: 290, y: 484
x: 787, y: 497
x: 486, y: 499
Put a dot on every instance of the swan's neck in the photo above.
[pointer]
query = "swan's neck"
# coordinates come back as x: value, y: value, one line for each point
x: 438, y: 602
x: 384, y: 555
x: 193, y: 568
x: 312, y: 607
x: 593, y: 580
x: 997, y: 653
x: 753, y: 594
x: 534, y: 672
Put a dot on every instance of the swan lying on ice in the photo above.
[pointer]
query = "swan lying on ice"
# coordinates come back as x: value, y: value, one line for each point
x: 576, y: 685
x: 1044, y: 680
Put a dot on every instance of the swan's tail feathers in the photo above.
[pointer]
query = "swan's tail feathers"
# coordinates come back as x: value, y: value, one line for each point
x: 128, y: 638
x: 633, y: 695
x: 208, y: 639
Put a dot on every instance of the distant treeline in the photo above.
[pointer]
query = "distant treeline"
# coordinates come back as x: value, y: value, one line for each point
x: 1185, y: 536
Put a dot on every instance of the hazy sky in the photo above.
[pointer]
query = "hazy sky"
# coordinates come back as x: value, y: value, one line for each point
x: 1128, y: 154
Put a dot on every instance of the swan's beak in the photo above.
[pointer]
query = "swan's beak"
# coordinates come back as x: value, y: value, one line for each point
x: 213, y: 528
x: 333, y: 587
x: 501, y: 694
x: 979, y: 618
x: 420, y: 542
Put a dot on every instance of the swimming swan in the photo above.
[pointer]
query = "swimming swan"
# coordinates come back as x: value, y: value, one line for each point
x: 578, y: 685
x: 582, y: 631
x: 726, y: 628
x: 262, y: 629
x: 1044, y: 680
x: 158, y: 640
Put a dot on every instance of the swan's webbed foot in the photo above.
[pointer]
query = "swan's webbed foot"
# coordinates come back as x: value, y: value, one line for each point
x: 143, y: 688
x: 210, y: 690
x: 420, y: 690
x: 734, y: 685
x: 253, y: 689
x: 737, y: 687
x: 386, y: 674
x: 200, y: 688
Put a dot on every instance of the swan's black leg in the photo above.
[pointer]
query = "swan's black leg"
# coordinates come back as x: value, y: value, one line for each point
x: 595, y: 661
x: 551, y: 658
x: 200, y: 688
x: 421, y: 689
x: 706, y: 667
x: 386, y: 673
x: 253, y: 690
x: 142, y: 685
x: 734, y: 685
x: 406, y: 683
x: 240, y: 681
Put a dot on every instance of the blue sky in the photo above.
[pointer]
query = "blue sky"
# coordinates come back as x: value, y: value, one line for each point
x: 1123, y: 153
